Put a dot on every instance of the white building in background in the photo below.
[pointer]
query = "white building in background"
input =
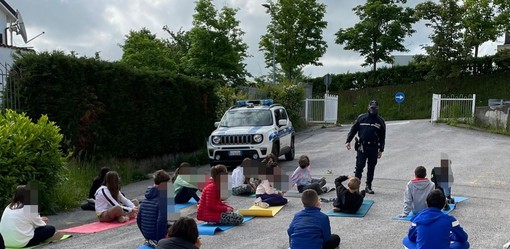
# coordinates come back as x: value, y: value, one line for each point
x: 11, y: 24
x: 505, y: 45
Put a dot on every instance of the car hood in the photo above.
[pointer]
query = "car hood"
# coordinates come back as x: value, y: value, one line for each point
x: 242, y: 130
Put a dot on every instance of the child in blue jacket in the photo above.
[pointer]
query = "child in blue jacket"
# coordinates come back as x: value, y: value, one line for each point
x: 310, y: 228
x: 431, y: 228
x: 152, y: 216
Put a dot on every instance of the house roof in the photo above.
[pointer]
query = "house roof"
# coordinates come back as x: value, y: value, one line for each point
x: 8, y: 10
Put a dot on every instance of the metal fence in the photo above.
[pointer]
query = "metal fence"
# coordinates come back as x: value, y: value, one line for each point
x: 321, y: 110
x: 453, y: 107
x: 8, y: 89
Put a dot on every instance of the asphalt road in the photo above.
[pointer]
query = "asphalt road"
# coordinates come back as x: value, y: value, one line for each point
x: 480, y: 162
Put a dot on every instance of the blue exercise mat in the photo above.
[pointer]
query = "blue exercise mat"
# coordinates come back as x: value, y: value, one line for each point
x: 362, y: 211
x: 145, y: 246
x: 187, y: 204
x: 211, y: 229
x: 452, y: 207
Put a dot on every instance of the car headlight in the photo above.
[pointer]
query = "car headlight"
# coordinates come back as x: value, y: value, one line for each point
x: 216, y: 139
x: 257, y: 138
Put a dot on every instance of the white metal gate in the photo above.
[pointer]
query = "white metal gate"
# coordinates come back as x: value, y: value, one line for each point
x: 322, y: 110
x: 460, y: 107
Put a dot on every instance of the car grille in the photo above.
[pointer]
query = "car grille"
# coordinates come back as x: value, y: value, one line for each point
x: 236, y: 139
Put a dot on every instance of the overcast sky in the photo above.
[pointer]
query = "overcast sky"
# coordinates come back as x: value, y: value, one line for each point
x: 87, y: 26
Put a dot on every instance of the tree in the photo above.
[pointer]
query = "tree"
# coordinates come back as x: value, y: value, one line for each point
x: 295, y: 31
x: 382, y: 28
x: 503, y: 18
x: 447, y: 49
x: 479, y: 23
x: 216, y: 49
x: 179, y: 45
x: 143, y: 50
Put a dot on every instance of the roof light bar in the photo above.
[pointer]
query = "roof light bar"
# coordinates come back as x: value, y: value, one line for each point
x: 241, y: 103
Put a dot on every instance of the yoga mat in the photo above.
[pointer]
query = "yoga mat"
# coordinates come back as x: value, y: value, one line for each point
x: 187, y: 204
x: 211, y: 229
x: 65, y: 236
x: 452, y: 207
x: 363, y: 210
x: 145, y: 246
x: 97, y: 226
x: 261, y: 212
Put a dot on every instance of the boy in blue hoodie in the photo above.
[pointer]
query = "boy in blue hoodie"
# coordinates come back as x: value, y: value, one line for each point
x: 152, y: 216
x: 310, y: 228
x: 431, y: 228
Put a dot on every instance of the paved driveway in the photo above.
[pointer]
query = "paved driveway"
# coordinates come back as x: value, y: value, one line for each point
x: 481, y: 165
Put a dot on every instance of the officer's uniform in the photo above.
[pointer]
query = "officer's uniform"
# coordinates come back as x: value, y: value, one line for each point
x: 371, y: 130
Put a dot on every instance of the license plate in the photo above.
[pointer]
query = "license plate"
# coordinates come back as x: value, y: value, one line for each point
x: 234, y: 153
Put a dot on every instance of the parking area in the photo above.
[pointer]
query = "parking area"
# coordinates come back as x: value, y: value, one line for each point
x: 480, y: 164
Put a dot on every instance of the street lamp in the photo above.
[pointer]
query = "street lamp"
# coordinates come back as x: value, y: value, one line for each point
x: 268, y: 7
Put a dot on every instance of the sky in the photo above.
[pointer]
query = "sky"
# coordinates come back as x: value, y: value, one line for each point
x: 89, y: 26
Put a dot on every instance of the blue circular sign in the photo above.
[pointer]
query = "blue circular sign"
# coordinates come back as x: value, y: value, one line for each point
x: 399, y: 97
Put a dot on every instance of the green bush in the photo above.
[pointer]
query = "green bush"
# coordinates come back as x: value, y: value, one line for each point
x: 227, y: 97
x: 30, y: 152
x: 110, y: 110
x: 291, y: 96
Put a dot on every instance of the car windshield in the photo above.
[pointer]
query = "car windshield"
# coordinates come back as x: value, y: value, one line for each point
x: 247, y: 117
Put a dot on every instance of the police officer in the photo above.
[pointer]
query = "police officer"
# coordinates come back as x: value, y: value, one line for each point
x: 371, y: 131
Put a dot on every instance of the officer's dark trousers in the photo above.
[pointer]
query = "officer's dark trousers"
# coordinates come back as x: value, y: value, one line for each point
x: 369, y: 154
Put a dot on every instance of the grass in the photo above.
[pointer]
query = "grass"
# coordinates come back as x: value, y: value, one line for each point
x: 78, y: 175
x: 418, y: 100
x: 78, y: 178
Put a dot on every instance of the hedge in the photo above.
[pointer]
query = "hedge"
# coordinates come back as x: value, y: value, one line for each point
x: 108, y: 109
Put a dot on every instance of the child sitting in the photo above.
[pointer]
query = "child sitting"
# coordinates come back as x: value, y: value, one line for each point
x: 211, y: 207
x: 443, y: 178
x: 266, y: 194
x: 431, y: 228
x: 152, y: 216
x: 184, y: 187
x: 416, y: 192
x: 96, y: 183
x: 310, y: 228
x: 21, y: 224
x: 240, y: 183
x: 111, y: 204
x: 182, y: 234
x: 348, y: 200
x: 303, y: 179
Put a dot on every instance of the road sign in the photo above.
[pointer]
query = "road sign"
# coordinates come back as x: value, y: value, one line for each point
x: 327, y: 79
x: 399, y: 97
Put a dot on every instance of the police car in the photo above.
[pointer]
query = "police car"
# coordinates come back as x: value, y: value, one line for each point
x: 254, y: 129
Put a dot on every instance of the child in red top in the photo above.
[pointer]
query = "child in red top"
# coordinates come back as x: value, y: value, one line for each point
x: 211, y: 207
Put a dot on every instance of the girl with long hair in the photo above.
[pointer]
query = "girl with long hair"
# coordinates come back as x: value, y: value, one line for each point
x: 111, y: 204
x: 21, y: 225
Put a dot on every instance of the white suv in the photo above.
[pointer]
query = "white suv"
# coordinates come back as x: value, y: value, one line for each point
x: 252, y: 128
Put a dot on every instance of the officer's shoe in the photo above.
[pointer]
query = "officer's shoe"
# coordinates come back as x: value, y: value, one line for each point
x: 368, y: 190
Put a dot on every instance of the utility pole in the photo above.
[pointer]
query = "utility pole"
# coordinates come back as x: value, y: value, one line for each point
x: 268, y: 7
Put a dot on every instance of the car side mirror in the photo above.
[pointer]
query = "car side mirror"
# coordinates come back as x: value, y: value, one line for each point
x: 282, y: 122
x: 216, y: 124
